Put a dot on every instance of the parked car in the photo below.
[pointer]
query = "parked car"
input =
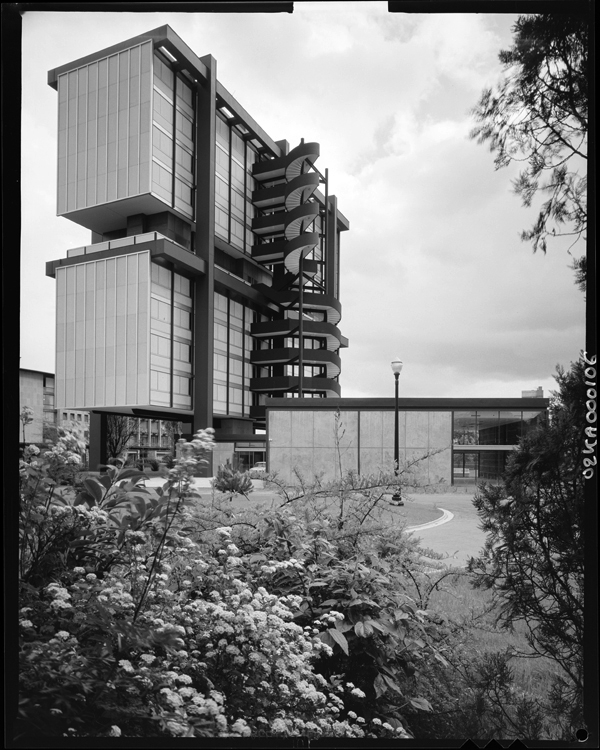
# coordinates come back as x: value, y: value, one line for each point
x: 259, y: 470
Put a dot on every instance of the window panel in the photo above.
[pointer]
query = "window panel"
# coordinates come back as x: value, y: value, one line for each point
x: 185, y: 128
x: 237, y: 176
x: 222, y: 163
x: 488, y: 427
x: 185, y: 96
x: 222, y: 134
x: 509, y: 428
x: 163, y: 111
x: 237, y: 206
x: 182, y: 285
x: 183, y: 191
x: 220, y: 363
x: 221, y: 192
x: 184, y: 162
x: 236, y: 310
x: 464, y: 431
x: 220, y: 332
x: 182, y: 318
x: 222, y: 222
x: 491, y: 464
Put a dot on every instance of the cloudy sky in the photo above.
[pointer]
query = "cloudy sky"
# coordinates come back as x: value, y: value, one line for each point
x: 433, y: 268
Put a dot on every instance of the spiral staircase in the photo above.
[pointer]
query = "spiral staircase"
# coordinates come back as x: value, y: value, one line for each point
x: 288, y: 209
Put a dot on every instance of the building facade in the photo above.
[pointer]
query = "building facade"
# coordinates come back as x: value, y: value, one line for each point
x: 211, y: 280
x: 466, y: 440
x: 36, y: 391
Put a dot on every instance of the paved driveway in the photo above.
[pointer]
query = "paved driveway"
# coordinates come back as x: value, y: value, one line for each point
x: 460, y: 537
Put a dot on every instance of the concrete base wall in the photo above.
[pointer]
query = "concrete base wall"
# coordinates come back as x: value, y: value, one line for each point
x: 325, y: 443
x: 222, y: 453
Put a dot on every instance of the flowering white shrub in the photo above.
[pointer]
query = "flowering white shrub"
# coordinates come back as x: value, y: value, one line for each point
x: 137, y: 625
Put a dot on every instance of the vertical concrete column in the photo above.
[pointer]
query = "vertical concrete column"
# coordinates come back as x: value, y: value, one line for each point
x: 331, y: 250
x: 97, y: 445
x: 279, y: 273
x: 205, y: 247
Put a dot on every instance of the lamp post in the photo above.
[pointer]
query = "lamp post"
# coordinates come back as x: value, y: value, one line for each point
x: 396, y: 369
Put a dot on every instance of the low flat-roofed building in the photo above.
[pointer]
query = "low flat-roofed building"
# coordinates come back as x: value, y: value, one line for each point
x: 466, y: 439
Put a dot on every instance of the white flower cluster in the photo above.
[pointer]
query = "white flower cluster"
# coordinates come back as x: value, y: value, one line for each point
x: 219, y: 626
x: 68, y: 449
x: 117, y: 596
x: 275, y: 565
x: 31, y: 451
x: 60, y: 597
x: 191, y: 455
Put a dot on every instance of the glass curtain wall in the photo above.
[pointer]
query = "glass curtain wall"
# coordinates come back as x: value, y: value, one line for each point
x: 173, y: 122
x: 232, y: 368
x: 487, y: 428
x: 493, y: 427
x: 470, y: 467
x: 233, y: 186
x: 49, y: 404
x: 170, y: 339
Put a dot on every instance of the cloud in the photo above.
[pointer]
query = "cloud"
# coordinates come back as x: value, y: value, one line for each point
x: 445, y: 37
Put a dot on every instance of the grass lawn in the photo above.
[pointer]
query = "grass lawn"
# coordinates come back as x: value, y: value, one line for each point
x: 468, y: 608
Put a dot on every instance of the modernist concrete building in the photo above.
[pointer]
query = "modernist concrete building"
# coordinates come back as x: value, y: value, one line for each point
x: 211, y: 280
x: 469, y: 439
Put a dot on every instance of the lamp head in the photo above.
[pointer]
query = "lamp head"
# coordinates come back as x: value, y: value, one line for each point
x: 397, y: 366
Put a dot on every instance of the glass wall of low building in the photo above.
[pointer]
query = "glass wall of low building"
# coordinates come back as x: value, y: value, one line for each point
x: 488, y: 427
x: 493, y: 426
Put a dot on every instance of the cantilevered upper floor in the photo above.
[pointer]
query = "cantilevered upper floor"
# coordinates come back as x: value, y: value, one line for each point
x: 160, y: 162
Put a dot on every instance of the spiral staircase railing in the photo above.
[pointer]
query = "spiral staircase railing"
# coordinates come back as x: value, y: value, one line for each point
x: 285, y: 198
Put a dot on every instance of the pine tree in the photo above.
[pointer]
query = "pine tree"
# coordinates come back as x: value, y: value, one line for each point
x: 538, y: 114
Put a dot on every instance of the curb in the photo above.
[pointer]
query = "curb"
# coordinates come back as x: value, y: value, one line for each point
x: 444, y: 518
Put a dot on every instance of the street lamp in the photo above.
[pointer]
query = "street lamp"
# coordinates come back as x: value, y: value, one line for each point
x: 396, y: 369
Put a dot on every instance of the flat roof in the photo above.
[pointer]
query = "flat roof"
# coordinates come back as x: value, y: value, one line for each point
x: 405, y: 404
x: 39, y: 372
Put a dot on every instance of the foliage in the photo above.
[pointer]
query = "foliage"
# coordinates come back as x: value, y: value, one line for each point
x: 538, y: 114
x: 119, y: 431
x: 50, y: 432
x: 26, y: 417
x: 161, y: 614
x: 152, y: 463
x: 338, y: 545
x: 168, y: 461
x: 352, y: 589
x: 138, y: 619
x: 533, y: 559
x: 232, y: 481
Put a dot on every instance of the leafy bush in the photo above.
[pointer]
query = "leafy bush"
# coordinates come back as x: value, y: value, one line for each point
x: 153, y: 613
x: 232, y: 481
x: 139, y: 619
x: 168, y: 461
x: 147, y: 463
